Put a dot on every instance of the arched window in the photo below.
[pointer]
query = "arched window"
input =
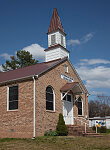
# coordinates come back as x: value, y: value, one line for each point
x: 79, y: 106
x: 49, y: 98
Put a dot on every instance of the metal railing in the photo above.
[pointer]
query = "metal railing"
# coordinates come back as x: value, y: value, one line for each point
x: 82, y: 122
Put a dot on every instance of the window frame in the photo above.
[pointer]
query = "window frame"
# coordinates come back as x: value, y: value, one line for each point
x: 66, y: 97
x: 66, y: 68
x: 62, y: 40
x: 8, y: 98
x: 81, y: 108
x: 53, y: 39
x: 53, y: 99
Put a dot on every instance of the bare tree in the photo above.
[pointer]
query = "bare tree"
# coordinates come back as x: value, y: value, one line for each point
x: 100, y: 106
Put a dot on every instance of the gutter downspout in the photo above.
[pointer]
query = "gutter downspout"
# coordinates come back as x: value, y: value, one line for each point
x: 85, y: 114
x: 34, y: 110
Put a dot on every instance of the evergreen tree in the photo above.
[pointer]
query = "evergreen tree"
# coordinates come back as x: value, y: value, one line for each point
x: 61, y: 128
x: 22, y: 59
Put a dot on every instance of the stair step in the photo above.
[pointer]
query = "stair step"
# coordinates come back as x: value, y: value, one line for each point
x: 79, y: 131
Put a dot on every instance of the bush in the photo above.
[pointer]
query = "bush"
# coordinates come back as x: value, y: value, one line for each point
x: 61, y: 128
x: 103, y: 129
x: 94, y: 128
x: 50, y: 133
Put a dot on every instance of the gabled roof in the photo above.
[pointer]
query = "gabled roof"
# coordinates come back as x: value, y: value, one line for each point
x: 55, y: 23
x: 29, y: 71
x: 34, y: 70
x: 73, y: 86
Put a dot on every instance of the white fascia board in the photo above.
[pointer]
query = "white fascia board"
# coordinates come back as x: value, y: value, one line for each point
x: 78, y: 77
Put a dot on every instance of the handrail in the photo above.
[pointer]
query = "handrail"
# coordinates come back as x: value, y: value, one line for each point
x: 82, y: 121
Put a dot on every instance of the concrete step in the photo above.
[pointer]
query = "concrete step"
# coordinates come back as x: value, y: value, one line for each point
x: 93, y: 134
x: 79, y: 131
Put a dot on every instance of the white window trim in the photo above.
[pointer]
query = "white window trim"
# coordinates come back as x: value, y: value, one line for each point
x: 66, y: 68
x: 62, y: 40
x: 54, y: 39
x: 53, y: 100
x: 8, y: 98
x: 66, y: 97
x: 82, y: 105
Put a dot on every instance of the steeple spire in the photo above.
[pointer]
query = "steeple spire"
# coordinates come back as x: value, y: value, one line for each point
x: 56, y: 39
x: 55, y: 23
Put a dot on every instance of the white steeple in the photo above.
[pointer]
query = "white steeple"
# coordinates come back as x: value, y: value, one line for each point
x: 56, y: 39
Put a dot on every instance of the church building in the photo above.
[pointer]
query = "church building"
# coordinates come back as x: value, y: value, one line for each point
x: 31, y: 98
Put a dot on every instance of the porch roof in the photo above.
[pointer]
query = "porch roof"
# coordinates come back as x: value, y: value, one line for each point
x: 74, y: 87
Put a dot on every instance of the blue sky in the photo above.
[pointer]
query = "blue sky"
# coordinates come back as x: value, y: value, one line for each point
x: 24, y: 24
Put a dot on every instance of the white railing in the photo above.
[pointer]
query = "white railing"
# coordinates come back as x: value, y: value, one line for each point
x: 82, y: 122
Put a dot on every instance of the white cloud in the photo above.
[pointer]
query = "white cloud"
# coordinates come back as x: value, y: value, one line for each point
x: 83, y: 40
x: 94, y: 61
x: 95, y: 77
x: 36, y: 50
x: 73, y: 42
x: 95, y: 93
x: 5, y: 56
x: 87, y: 37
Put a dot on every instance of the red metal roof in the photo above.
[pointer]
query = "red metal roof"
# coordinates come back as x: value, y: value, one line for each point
x: 68, y: 86
x: 55, y: 23
x: 29, y: 71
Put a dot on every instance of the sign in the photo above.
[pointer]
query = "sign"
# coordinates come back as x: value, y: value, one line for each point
x: 65, y: 77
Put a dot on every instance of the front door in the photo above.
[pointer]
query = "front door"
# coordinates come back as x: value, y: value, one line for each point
x: 68, y: 109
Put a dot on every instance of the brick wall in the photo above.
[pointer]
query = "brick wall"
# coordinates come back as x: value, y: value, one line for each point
x: 19, y: 123
x: 46, y: 120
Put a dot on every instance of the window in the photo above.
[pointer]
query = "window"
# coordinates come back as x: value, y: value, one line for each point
x: 79, y: 106
x: 67, y: 97
x: 13, y: 98
x: 62, y: 40
x: 53, y: 39
x: 49, y: 98
x: 66, y: 68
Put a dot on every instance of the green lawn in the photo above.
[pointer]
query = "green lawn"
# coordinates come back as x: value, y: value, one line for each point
x: 57, y: 143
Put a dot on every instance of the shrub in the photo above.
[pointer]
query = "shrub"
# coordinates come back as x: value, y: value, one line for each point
x: 107, y: 130
x: 103, y: 129
x: 50, y: 133
x: 94, y: 128
x: 61, y: 128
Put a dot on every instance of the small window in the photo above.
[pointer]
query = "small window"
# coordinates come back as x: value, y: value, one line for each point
x: 79, y: 106
x: 66, y: 68
x: 53, y: 39
x: 13, y: 98
x: 49, y: 98
x: 67, y: 97
x: 62, y: 43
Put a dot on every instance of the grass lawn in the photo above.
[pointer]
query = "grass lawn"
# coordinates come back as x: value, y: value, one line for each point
x: 57, y: 143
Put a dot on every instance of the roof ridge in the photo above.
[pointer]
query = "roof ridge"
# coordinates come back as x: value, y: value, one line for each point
x: 29, y: 71
x: 30, y: 66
